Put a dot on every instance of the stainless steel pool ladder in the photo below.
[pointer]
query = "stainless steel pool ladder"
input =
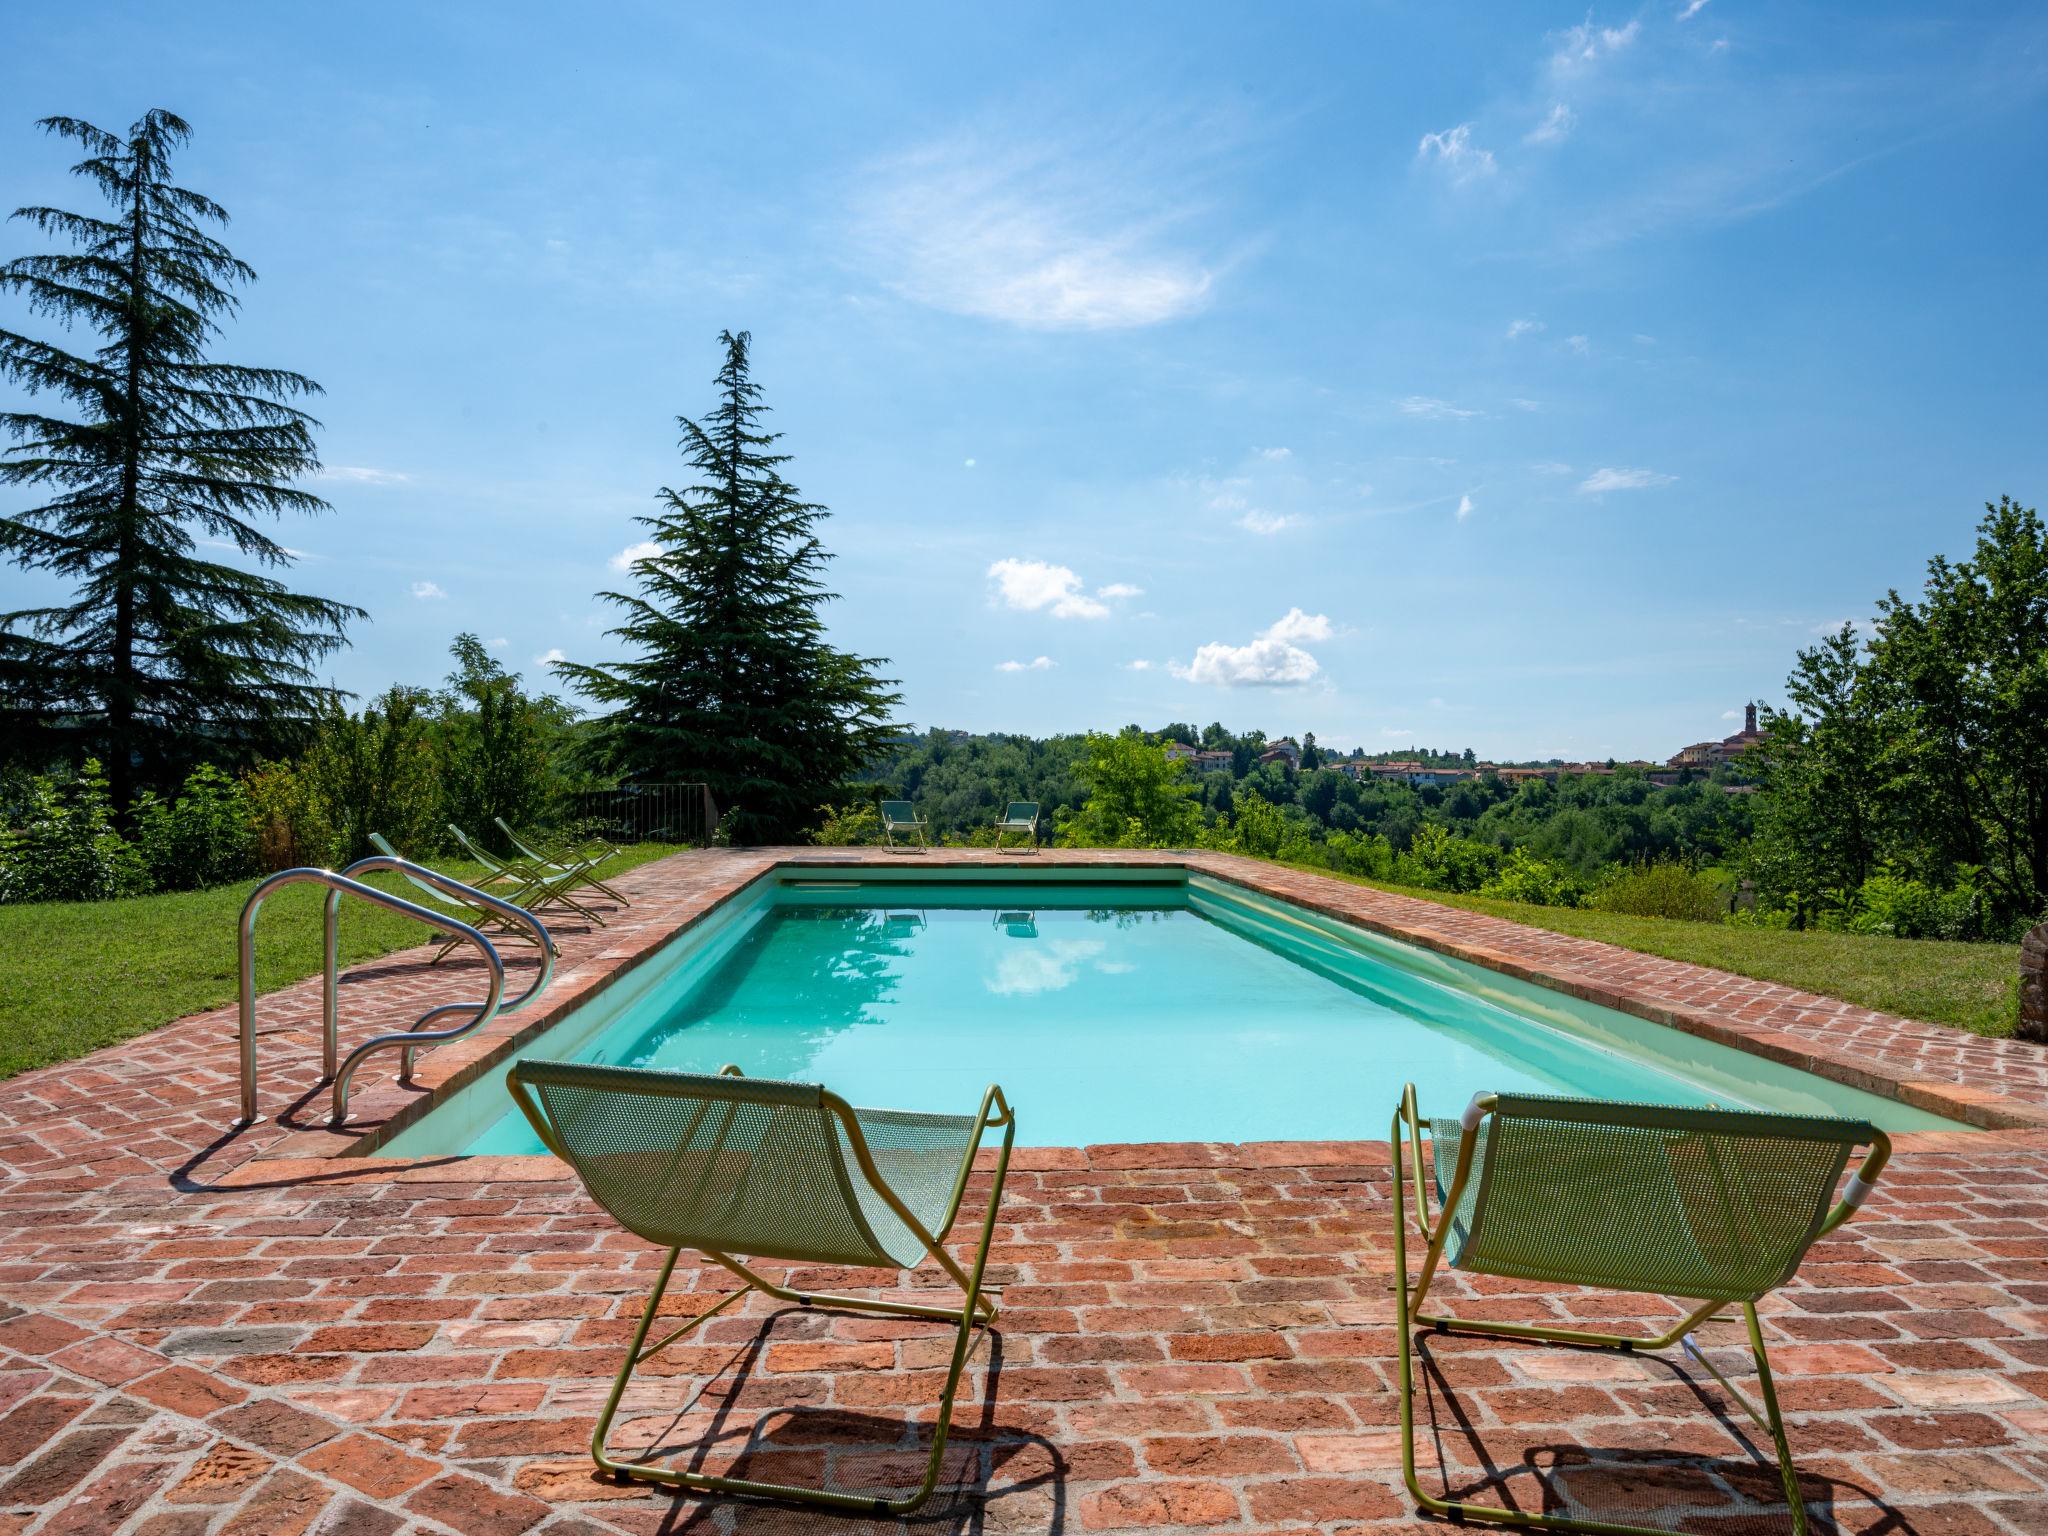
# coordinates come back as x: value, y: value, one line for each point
x: 409, y: 1040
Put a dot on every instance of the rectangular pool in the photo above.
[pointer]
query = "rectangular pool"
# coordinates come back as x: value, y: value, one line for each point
x: 1112, y: 1010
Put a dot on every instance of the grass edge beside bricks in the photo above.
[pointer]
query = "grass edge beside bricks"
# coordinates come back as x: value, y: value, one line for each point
x: 76, y: 976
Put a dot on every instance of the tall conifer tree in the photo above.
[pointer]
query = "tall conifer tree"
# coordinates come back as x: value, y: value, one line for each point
x: 160, y: 655
x: 733, y: 682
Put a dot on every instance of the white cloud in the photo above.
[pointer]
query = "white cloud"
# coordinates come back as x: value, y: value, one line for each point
x: 1036, y: 664
x: 1692, y: 9
x: 1587, y: 44
x: 1555, y: 128
x: 1579, y: 344
x: 1431, y: 409
x: 1118, y: 589
x: 355, y: 474
x: 1056, y: 236
x: 1464, y: 507
x: 549, y: 657
x: 1030, y: 585
x: 1274, y: 658
x: 427, y: 589
x: 1140, y: 665
x: 500, y: 643
x: 646, y: 549
x: 1520, y: 328
x: 1454, y: 150
x: 1274, y: 453
x: 1260, y: 521
x: 1602, y: 480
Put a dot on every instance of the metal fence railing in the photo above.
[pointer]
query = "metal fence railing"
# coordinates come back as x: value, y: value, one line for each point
x: 651, y: 813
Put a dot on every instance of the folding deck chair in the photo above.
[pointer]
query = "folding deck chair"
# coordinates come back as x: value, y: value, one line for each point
x: 547, y: 890
x: 473, y: 913
x: 901, y: 816
x: 729, y: 1165
x: 1714, y: 1205
x: 1021, y: 816
x: 580, y: 864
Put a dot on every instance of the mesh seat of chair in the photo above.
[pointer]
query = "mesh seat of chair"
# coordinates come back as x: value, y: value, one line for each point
x: 750, y: 1166
x: 1709, y: 1203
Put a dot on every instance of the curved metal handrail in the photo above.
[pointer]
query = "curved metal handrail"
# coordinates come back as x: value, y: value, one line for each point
x: 246, y: 957
x: 413, y: 1037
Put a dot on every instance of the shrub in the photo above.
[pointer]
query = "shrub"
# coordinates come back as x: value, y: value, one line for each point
x: 206, y: 836
x: 63, y: 846
x: 1524, y: 877
x: 1663, y: 889
x: 849, y: 826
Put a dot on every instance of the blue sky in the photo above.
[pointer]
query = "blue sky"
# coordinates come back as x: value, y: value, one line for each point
x: 1527, y: 378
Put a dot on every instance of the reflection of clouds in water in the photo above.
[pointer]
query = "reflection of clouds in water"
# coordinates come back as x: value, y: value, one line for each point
x: 1046, y: 967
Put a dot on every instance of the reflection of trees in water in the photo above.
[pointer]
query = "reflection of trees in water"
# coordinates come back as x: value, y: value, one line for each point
x: 1128, y: 917
x: 814, y: 985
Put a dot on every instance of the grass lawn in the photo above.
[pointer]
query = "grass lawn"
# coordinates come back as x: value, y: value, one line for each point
x: 1971, y: 986
x: 78, y: 975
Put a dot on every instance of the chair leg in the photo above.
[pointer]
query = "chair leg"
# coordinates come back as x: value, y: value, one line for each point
x: 976, y: 1310
x: 1407, y: 1319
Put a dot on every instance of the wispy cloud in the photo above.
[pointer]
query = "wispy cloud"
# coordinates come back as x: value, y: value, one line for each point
x: 1274, y: 658
x: 1603, y: 480
x: 1260, y: 521
x: 1588, y: 43
x: 1430, y: 408
x: 355, y: 474
x: 1520, y: 328
x: 1061, y: 234
x: 1031, y: 585
x: 1035, y: 664
x: 1555, y: 128
x: 646, y: 549
x: 427, y: 590
x: 1454, y: 151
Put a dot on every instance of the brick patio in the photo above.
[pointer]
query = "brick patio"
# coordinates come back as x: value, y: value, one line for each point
x: 203, y: 1332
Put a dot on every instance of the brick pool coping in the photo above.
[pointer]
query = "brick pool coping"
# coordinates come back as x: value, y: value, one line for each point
x: 208, y: 1333
x: 1879, y: 1053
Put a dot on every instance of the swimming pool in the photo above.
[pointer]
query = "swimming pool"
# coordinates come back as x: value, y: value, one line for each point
x: 1172, y: 1008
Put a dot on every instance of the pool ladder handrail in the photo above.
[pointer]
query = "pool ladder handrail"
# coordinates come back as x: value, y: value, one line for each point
x: 411, y: 1039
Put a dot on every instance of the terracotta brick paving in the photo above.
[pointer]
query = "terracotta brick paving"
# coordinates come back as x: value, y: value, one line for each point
x: 202, y: 1333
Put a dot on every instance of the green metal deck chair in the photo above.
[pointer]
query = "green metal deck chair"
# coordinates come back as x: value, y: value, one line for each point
x: 1714, y: 1205
x: 473, y: 913
x: 546, y: 890
x: 1020, y: 816
x: 582, y: 867
x: 901, y: 816
x: 730, y: 1165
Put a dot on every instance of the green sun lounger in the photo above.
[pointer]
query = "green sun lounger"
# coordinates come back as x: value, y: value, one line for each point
x: 728, y: 1165
x: 582, y: 867
x: 1021, y: 816
x: 545, y: 889
x: 1717, y: 1206
x: 900, y: 816
x: 473, y: 913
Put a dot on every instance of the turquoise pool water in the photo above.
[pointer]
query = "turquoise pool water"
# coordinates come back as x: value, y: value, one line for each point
x: 1116, y: 1013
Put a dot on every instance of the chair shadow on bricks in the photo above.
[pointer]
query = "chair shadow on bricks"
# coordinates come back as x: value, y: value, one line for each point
x: 744, y: 1422
x: 1699, y: 1468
